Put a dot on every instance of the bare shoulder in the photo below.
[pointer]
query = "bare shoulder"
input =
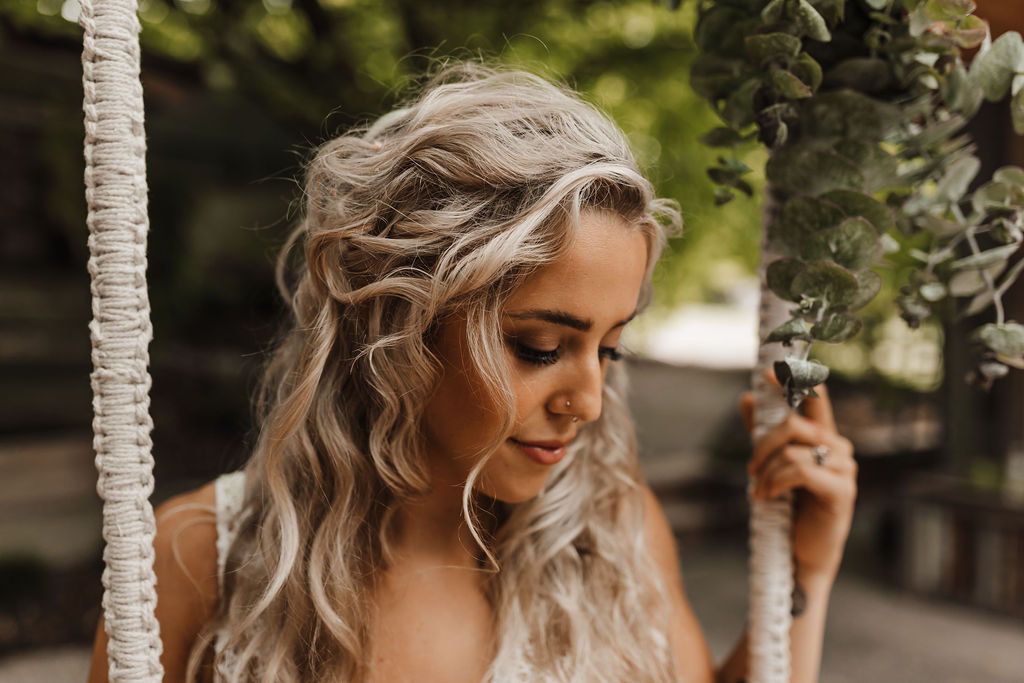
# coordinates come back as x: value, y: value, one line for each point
x: 693, y: 658
x: 185, y: 565
x: 658, y: 534
x: 186, y: 546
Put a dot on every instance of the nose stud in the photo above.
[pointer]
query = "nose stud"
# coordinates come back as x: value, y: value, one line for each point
x: 568, y: 406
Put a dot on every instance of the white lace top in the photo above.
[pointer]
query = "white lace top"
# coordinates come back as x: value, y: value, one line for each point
x: 229, y: 491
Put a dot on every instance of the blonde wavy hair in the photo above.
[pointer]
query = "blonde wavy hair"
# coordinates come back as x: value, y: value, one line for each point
x: 442, y: 207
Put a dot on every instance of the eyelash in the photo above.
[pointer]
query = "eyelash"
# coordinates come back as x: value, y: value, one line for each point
x: 539, y: 357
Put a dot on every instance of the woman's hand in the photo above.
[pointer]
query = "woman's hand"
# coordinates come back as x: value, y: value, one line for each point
x: 824, y: 487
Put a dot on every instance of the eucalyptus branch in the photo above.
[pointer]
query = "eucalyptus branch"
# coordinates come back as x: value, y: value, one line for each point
x: 862, y: 104
x: 996, y: 296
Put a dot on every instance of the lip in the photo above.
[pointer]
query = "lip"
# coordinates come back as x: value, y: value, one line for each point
x: 542, y: 452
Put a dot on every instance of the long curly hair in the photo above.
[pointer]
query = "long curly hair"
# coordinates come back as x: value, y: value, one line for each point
x: 442, y: 207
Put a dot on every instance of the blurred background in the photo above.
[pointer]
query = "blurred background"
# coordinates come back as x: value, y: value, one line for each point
x: 237, y: 96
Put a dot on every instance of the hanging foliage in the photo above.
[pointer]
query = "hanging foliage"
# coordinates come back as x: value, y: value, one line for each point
x: 863, y: 104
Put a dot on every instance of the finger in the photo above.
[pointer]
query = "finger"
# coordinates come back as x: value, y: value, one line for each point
x: 794, y: 428
x: 840, y: 461
x: 819, y: 481
x: 820, y: 409
x: 777, y: 461
x: 747, y: 404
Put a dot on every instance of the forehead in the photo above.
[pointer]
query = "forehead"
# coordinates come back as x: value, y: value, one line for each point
x: 599, y: 275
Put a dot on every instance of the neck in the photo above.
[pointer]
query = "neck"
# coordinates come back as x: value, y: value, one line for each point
x: 432, y: 529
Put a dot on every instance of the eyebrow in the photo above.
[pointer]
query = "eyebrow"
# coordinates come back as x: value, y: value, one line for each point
x: 562, y: 318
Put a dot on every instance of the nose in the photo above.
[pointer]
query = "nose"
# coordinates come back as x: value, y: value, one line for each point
x: 580, y: 395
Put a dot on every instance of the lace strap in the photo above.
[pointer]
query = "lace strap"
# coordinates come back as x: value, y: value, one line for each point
x: 230, y: 491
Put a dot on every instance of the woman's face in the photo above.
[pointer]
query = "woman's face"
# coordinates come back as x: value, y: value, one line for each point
x: 561, y: 330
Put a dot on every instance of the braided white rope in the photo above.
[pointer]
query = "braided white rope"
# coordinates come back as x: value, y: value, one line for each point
x: 115, y: 189
x: 771, y: 564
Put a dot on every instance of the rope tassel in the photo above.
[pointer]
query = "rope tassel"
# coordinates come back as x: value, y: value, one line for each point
x: 115, y: 190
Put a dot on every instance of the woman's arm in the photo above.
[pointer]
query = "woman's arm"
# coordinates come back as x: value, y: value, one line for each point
x: 805, y: 639
x: 825, y: 489
x: 185, y: 565
x: 689, y: 647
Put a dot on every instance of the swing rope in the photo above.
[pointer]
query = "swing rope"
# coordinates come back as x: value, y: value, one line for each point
x: 771, y: 562
x: 115, y: 191
x: 115, y: 180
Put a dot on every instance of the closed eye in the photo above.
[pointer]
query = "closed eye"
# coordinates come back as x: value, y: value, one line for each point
x: 543, y: 357
x: 535, y: 356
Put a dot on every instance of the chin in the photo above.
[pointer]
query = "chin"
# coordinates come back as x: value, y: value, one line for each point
x: 518, y: 492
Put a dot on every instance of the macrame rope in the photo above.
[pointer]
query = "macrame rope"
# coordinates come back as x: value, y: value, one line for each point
x: 115, y: 190
x: 771, y: 563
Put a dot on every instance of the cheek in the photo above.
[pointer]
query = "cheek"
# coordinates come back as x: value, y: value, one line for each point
x: 529, y: 392
x: 460, y: 417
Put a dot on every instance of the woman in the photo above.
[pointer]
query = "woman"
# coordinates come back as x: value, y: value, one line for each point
x: 445, y: 485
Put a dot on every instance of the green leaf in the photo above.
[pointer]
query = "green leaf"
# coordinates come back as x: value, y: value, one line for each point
x: 837, y: 328
x: 811, y: 23
x: 771, y: 123
x: 789, y: 85
x: 723, y: 196
x: 730, y: 178
x: 996, y: 197
x: 1006, y: 231
x: 957, y: 178
x: 715, y: 27
x: 780, y: 275
x: 932, y: 291
x: 867, y: 74
x: 919, y: 21
x: 714, y: 77
x: 722, y: 136
x: 860, y: 204
x: 803, y: 373
x: 1017, y: 84
x: 971, y: 32
x: 889, y: 244
x: 938, y: 226
x: 948, y: 10
x: 734, y: 164
x: 937, y: 133
x: 806, y: 170
x: 986, y: 258
x: 995, y: 67
x: 852, y: 244
x: 738, y: 111
x: 868, y: 285
x: 769, y: 47
x: 961, y: 92
x: 1006, y: 339
x: 798, y: 221
x: 825, y: 281
x: 913, y: 310
x: 878, y: 4
x: 878, y: 168
x: 985, y: 373
x: 985, y: 297
x: 849, y: 114
x: 807, y: 70
x: 1017, y: 112
x: 787, y: 332
x: 832, y: 10
x: 979, y: 303
x: 772, y: 12
x: 1012, y: 175
x: 798, y: 377
x: 970, y: 282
